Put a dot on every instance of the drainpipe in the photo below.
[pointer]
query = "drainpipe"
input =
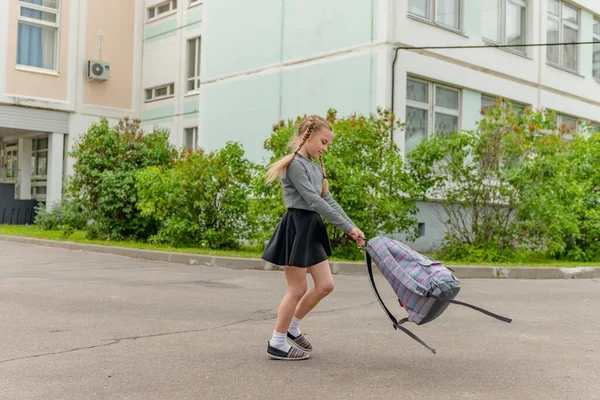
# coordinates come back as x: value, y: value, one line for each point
x: 396, y: 49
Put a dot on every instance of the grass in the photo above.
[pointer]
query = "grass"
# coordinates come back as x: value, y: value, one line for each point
x: 245, y: 252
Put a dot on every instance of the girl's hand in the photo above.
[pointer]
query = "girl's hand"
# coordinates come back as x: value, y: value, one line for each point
x: 357, y: 235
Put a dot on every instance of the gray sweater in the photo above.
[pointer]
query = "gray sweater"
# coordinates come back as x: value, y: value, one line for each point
x: 301, y: 183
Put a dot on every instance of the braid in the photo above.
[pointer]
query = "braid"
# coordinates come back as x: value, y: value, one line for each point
x: 325, y: 185
x: 309, y: 130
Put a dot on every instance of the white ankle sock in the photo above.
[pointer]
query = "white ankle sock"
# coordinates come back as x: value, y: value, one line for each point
x: 295, y: 327
x: 279, y: 341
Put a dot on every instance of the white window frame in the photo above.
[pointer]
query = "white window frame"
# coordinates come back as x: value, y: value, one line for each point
x: 432, y: 108
x: 10, y: 157
x: 433, y: 20
x: 194, y: 132
x: 152, y: 91
x: 195, y: 77
x: 595, y: 127
x: 502, y: 25
x: 193, y: 3
x: 39, y: 181
x: 172, y: 9
x: 596, y: 68
x: 40, y: 23
x: 561, y: 25
x: 493, y: 99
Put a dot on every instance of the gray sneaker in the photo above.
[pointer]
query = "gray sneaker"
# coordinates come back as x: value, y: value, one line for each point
x: 291, y: 355
x: 300, y: 342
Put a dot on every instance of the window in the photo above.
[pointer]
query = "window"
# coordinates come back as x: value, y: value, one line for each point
x: 161, y: 9
x: 10, y: 167
x: 421, y: 229
x: 595, y: 128
x: 503, y: 22
x: 194, y: 2
x: 566, y: 124
x: 430, y: 108
x: 563, y: 27
x: 37, y: 43
x: 489, y: 102
x: 193, y: 67
x: 597, y: 48
x: 160, y: 92
x: 191, y: 138
x: 446, y: 13
x: 39, y: 168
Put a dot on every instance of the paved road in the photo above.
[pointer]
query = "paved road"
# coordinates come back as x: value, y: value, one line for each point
x: 79, y: 325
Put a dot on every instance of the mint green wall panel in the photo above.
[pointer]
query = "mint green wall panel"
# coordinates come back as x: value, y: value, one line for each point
x: 587, y: 51
x: 193, y: 19
x: 190, y: 109
x: 241, y: 110
x: 158, y: 115
x: 160, y: 31
x: 473, y: 11
x: 345, y: 84
x: 471, y: 109
x: 241, y: 35
x: 317, y: 26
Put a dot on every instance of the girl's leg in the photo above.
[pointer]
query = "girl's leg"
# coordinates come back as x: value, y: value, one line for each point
x: 296, y: 280
x: 324, y: 285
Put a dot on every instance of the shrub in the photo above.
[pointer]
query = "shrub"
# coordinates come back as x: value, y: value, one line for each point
x: 106, y: 160
x: 201, y: 201
x: 66, y: 216
x: 516, y: 182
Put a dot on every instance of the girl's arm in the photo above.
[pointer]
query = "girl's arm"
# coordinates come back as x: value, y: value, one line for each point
x: 329, y: 199
x: 298, y: 175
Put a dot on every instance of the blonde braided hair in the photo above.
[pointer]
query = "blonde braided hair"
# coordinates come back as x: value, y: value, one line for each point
x: 307, y: 127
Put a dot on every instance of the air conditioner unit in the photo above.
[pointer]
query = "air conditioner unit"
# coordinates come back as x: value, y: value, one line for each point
x: 98, y: 70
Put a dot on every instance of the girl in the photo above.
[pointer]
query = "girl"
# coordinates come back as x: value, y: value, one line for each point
x: 300, y: 240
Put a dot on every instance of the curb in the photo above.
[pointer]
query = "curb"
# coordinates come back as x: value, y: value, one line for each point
x: 337, y: 268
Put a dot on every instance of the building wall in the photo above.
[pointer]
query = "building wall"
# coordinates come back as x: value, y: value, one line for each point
x: 21, y: 81
x: 275, y: 59
x: 110, y: 36
x: 165, y: 61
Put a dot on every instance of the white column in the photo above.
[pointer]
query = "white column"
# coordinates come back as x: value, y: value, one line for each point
x: 24, y: 178
x: 56, y: 143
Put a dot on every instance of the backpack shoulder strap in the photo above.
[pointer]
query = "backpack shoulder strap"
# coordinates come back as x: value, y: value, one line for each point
x: 372, y: 280
x: 481, y: 310
x: 397, y: 324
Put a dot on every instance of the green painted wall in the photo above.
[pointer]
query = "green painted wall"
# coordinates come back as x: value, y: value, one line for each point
x: 473, y: 11
x: 317, y: 26
x: 471, y: 109
x: 245, y: 109
x: 344, y: 84
x: 158, y: 115
x: 241, y: 35
x: 193, y: 19
x: 160, y: 31
x: 242, y: 110
x: 266, y: 32
x: 587, y: 51
x: 190, y: 109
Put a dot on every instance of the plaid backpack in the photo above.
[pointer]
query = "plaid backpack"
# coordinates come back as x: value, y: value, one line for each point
x: 424, y: 286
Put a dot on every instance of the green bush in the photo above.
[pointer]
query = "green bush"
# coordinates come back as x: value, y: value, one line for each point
x: 366, y: 177
x: 201, y: 201
x: 516, y: 182
x: 104, y: 179
x: 66, y: 216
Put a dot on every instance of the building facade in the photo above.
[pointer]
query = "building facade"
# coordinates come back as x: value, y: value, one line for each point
x: 213, y: 71
x: 275, y: 59
x: 47, y: 96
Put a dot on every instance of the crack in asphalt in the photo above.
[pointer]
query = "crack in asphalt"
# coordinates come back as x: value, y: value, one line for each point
x: 118, y: 340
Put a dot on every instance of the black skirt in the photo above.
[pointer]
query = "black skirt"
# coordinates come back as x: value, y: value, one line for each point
x: 300, y: 240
